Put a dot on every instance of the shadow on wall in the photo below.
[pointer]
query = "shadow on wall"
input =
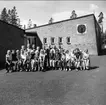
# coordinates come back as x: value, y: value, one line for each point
x: 38, y: 41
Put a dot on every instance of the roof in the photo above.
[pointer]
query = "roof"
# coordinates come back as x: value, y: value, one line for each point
x: 11, y: 25
x: 61, y: 21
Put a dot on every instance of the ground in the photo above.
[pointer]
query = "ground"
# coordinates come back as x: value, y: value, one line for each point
x: 56, y: 87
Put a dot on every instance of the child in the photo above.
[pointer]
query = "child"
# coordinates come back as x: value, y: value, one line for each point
x: 67, y: 60
x: 57, y: 59
x: 14, y: 61
x: 86, y: 60
x: 28, y: 60
x: 52, y: 58
x: 8, y: 60
x: 41, y: 59
x: 73, y: 59
x: 32, y: 58
x: 23, y: 57
x: 37, y: 52
x: 18, y: 60
x: 78, y: 58
x: 63, y: 61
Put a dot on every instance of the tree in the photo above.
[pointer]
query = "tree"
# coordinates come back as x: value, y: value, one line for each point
x: 4, y: 15
x: 51, y: 20
x: 29, y: 23
x: 14, y: 17
x: 9, y: 16
x: 73, y: 15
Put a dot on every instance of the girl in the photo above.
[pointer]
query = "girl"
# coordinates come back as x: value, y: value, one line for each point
x: 41, y: 59
x: 86, y: 60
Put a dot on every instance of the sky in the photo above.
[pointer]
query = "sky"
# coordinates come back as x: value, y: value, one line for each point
x: 41, y: 11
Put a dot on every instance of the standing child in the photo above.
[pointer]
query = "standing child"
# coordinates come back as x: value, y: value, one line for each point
x: 86, y: 60
x: 14, y: 61
x: 63, y: 60
x: 23, y: 57
x: 52, y: 58
x: 18, y: 60
x: 37, y: 52
x: 41, y: 59
x: 32, y: 58
x: 68, y: 60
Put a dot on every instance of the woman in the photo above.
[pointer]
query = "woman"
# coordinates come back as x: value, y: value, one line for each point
x: 8, y: 60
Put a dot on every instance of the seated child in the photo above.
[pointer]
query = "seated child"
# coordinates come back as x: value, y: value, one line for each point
x: 8, y: 61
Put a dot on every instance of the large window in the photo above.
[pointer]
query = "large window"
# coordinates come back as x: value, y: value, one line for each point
x: 81, y: 28
x: 52, y: 40
x: 60, y: 40
x: 68, y: 40
x: 44, y: 40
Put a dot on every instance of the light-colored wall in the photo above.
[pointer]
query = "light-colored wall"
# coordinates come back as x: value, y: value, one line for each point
x: 69, y: 29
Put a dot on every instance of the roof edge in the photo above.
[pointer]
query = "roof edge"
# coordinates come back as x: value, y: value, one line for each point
x: 11, y: 25
x: 60, y: 21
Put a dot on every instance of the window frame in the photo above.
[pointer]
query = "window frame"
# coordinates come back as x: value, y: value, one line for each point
x: 44, y: 41
x: 83, y: 32
x: 60, y: 40
x: 52, y: 43
x: 68, y: 41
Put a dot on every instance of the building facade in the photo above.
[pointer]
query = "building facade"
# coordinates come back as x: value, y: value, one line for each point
x: 81, y: 32
x: 11, y: 38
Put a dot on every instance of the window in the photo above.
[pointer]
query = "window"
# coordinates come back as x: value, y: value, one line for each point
x: 60, y: 40
x: 81, y: 28
x: 45, y: 40
x: 52, y: 40
x: 68, y: 40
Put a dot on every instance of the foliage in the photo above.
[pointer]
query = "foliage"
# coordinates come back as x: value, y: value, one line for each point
x: 10, y: 16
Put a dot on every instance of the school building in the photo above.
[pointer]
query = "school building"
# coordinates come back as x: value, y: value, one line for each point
x: 81, y: 32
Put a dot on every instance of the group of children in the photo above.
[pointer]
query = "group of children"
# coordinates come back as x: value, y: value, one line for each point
x: 47, y: 58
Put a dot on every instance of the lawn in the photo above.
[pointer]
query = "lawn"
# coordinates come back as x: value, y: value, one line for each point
x: 55, y: 87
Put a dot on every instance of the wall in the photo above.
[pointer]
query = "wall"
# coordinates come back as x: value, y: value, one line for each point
x: 69, y: 29
x: 11, y: 37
